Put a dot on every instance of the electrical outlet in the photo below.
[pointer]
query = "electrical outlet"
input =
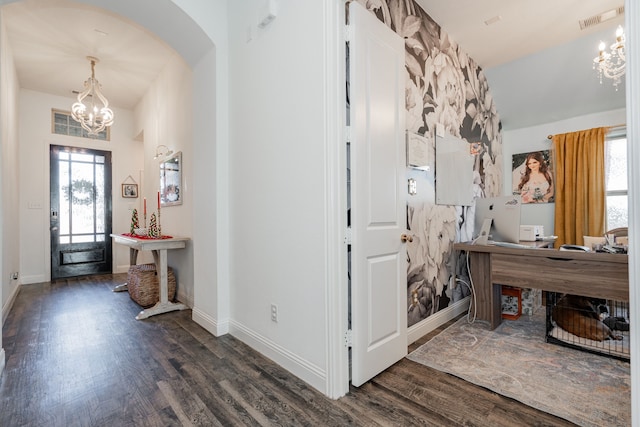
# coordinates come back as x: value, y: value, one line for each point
x: 274, y: 313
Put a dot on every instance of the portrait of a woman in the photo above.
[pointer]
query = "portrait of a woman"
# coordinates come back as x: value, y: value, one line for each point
x: 536, y: 180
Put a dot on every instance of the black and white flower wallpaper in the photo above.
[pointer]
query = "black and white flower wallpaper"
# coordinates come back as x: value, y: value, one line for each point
x: 443, y: 86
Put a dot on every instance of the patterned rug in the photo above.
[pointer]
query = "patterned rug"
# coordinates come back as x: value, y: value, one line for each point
x: 515, y: 361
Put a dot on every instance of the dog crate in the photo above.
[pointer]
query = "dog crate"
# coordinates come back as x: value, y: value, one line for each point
x: 594, y: 325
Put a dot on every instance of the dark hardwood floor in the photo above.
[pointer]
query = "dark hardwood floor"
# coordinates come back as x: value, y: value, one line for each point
x: 75, y: 356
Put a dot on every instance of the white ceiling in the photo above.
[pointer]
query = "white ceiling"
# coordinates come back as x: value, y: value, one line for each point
x: 536, y: 58
x: 51, y: 39
x: 525, y: 26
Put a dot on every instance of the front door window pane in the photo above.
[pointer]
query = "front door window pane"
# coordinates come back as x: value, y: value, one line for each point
x: 616, y: 164
x: 617, y: 212
x: 82, y: 198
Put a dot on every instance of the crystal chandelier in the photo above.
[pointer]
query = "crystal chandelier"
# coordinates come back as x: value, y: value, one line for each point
x: 92, y: 109
x: 611, y: 64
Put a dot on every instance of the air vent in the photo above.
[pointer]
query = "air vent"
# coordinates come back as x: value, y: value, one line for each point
x: 601, y: 17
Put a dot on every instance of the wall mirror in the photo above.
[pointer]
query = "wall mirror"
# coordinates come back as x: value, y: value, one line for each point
x: 171, y: 180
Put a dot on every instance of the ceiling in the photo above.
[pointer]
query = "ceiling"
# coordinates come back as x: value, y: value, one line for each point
x: 536, y: 48
x: 51, y: 39
x: 536, y: 58
x: 525, y: 26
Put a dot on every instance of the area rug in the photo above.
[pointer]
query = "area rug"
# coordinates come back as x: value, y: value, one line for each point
x: 515, y: 361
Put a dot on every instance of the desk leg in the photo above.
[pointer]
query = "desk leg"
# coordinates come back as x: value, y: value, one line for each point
x: 133, y: 260
x: 488, y: 295
x: 164, y: 305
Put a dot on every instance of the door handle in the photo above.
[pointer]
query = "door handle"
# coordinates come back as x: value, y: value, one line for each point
x: 404, y: 238
x: 54, y: 228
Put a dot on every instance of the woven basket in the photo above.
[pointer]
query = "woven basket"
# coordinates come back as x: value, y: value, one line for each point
x: 143, y: 284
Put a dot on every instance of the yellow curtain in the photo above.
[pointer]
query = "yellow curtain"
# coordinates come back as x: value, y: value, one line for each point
x: 580, y: 185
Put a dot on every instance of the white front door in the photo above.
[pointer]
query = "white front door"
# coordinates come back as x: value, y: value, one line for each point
x: 378, y: 205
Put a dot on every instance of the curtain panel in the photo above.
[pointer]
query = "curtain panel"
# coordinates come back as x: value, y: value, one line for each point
x: 580, y: 185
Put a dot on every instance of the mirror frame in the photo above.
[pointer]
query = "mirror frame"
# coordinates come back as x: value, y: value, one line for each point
x: 171, y: 178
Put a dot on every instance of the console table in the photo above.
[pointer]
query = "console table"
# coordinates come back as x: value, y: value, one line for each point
x: 596, y: 275
x: 159, y: 249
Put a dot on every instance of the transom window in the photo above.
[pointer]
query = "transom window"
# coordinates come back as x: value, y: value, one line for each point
x: 63, y: 124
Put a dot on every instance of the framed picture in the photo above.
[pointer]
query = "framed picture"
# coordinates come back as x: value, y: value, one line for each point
x: 171, y: 180
x: 533, y: 177
x: 130, y: 190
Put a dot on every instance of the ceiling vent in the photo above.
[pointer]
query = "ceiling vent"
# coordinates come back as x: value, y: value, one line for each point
x: 601, y: 17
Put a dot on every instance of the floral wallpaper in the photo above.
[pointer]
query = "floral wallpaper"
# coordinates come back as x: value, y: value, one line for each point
x: 443, y: 86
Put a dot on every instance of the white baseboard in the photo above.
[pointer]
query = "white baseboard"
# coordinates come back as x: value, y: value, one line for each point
x: 121, y: 269
x: 37, y: 278
x: 2, y: 361
x: 209, y: 323
x: 184, y: 298
x: 6, y: 308
x: 303, y: 369
x: 417, y: 331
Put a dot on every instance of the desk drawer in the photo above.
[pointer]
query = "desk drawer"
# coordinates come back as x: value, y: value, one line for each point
x: 576, y: 276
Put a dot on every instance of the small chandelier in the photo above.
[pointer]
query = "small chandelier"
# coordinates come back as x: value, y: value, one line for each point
x: 94, y: 114
x: 611, y: 65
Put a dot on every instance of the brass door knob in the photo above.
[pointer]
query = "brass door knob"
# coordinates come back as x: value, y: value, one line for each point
x: 404, y: 238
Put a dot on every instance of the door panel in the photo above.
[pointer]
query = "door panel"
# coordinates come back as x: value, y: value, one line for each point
x: 378, y: 205
x: 80, y: 193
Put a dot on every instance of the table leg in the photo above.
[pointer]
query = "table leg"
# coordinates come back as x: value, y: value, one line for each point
x: 133, y: 260
x: 488, y: 294
x: 164, y: 305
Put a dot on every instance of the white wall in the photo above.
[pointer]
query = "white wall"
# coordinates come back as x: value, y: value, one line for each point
x: 211, y: 168
x: 9, y: 166
x: 35, y: 139
x: 277, y: 184
x: 9, y: 217
x: 535, y: 138
x: 211, y: 200
x: 163, y: 117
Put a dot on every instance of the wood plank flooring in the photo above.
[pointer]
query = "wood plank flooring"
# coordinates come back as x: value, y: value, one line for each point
x: 75, y: 356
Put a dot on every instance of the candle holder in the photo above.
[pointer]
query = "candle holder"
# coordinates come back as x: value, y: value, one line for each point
x: 144, y: 204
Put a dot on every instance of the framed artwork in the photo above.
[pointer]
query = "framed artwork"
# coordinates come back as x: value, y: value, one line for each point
x: 171, y: 180
x: 533, y: 177
x: 130, y: 190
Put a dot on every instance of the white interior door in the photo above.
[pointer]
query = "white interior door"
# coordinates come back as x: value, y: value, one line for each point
x: 378, y: 205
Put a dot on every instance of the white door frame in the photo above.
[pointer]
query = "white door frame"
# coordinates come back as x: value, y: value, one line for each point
x: 632, y: 28
x: 337, y: 309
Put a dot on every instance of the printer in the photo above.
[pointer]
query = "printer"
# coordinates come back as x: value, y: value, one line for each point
x: 531, y: 233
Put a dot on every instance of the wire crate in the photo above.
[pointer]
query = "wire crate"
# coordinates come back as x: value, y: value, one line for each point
x: 589, y: 324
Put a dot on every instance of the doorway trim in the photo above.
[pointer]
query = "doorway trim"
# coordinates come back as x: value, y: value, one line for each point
x: 337, y: 311
x: 92, y: 256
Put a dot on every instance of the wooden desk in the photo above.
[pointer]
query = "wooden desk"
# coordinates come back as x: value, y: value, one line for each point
x: 597, y: 275
x: 159, y: 249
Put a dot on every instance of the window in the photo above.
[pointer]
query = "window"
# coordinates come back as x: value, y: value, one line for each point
x: 63, y: 124
x: 616, y: 185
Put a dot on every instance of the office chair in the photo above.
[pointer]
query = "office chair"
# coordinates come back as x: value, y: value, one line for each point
x: 619, y: 232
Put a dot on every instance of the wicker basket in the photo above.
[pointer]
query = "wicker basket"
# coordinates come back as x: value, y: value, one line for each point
x: 143, y: 284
